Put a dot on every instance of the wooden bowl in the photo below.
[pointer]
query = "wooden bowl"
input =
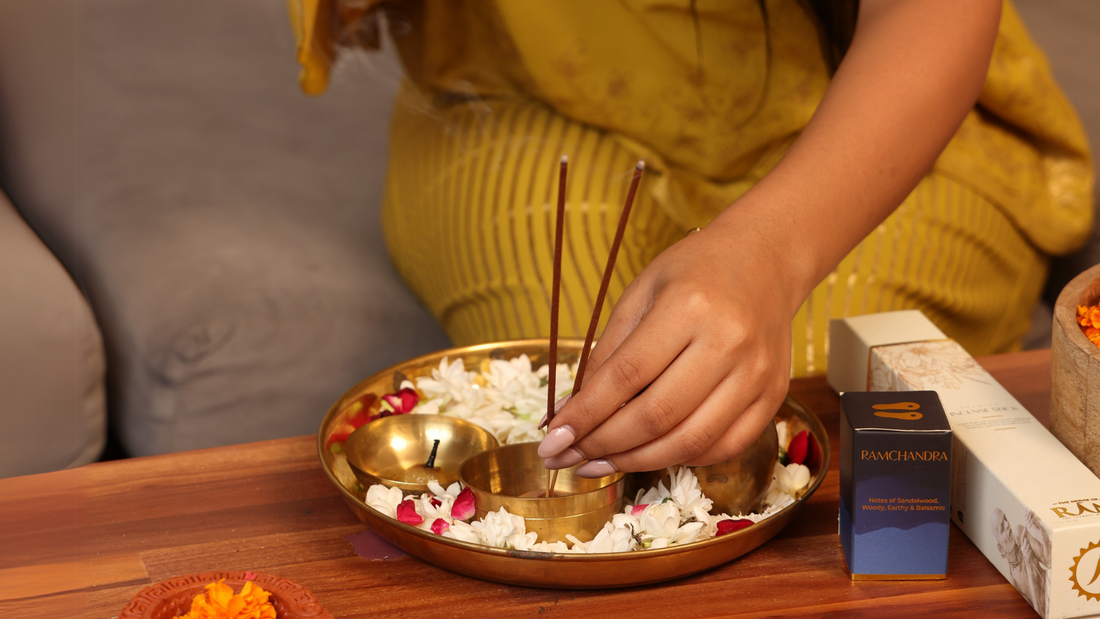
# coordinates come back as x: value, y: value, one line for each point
x: 1075, y: 373
x: 172, y: 598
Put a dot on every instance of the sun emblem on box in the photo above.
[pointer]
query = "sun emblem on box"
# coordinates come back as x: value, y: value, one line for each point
x: 1085, y: 573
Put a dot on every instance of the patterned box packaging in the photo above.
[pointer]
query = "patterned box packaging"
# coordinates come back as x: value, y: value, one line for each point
x: 1022, y: 498
x: 895, y: 485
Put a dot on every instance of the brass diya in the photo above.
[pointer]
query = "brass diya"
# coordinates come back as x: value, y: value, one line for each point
x: 395, y: 450
x: 580, y: 506
x: 553, y: 570
x: 736, y: 486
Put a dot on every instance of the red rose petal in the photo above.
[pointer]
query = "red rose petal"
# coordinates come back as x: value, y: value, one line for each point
x: 440, y: 526
x: 406, y: 512
x: 638, y: 509
x: 403, y: 401
x: 463, y: 507
x: 729, y: 526
x: 813, y: 455
x: 435, y: 502
x: 796, y: 451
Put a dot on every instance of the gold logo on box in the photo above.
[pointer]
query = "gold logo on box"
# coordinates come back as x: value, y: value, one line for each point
x: 888, y: 411
x: 1085, y: 573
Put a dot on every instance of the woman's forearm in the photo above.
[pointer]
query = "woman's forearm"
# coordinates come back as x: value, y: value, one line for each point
x: 913, y: 71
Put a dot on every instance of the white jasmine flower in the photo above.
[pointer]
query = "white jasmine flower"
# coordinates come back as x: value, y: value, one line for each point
x: 612, y: 539
x: 384, y: 499
x: 787, y: 482
x: 784, y: 437
x: 497, y: 527
x: 463, y: 532
x: 441, y: 493
x: 660, y: 520
x: 688, y: 495
x: 521, y: 541
x: 559, y: 547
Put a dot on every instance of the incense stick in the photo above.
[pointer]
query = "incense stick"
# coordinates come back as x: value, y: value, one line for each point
x: 609, y: 268
x: 552, y: 375
x: 607, y: 271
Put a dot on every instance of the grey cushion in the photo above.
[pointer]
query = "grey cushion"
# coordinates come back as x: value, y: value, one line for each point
x: 52, y: 413
x: 224, y: 227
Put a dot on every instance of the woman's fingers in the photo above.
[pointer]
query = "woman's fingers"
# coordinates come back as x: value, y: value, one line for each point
x: 625, y: 316
x: 716, y: 431
x: 677, y: 392
x: 642, y: 356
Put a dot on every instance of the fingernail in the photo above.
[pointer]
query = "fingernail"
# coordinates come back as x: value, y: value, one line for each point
x: 596, y: 468
x: 564, y: 460
x: 560, y: 403
x: 556, y: 440
x: 542, y: 424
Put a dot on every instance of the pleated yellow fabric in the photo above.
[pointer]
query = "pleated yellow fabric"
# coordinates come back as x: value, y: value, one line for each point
x: 468, y: 217
x: 711, y: 94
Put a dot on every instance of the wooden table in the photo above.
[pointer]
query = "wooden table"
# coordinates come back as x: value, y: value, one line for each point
x: 80, y: 543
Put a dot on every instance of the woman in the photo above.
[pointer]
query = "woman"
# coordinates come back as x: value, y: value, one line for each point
x: 790, y: 132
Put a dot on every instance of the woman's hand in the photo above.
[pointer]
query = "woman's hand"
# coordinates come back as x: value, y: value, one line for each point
x: 693, y: 363
x: 695, y: 358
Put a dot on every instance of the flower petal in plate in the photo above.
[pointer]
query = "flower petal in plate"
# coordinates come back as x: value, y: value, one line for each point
x: 463, y: 507
x: 406, y: 512
x: 796, y: 451
x: 729, y: 526
x: 440, y: 526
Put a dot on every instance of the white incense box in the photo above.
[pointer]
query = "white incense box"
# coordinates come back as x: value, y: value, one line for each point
x: 1020, y: 496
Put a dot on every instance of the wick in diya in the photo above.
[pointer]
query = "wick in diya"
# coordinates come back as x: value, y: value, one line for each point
x: 609, y: 268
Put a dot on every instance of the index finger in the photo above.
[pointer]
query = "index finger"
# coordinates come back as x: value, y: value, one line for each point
x: 642, y: 356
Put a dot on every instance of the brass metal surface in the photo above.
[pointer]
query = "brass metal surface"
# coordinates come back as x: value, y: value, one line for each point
x: 551, y: 570
x: 392, y: 450
x: 579, y: 506
x: 736, y: 486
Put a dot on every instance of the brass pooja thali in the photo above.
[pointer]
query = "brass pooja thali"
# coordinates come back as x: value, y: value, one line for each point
x: 544, y: 569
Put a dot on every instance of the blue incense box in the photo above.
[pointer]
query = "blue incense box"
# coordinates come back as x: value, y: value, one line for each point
x: 895, y: 485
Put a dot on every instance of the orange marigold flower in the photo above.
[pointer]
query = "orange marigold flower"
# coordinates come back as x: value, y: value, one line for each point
x: 1088, y: 316
x: 219, y: 602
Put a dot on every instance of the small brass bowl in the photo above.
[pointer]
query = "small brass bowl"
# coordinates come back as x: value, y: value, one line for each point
x: 498, y: 477
x: 736, y: 486
x: 392, y: 450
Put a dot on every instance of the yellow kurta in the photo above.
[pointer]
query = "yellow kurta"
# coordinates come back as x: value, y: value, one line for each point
x: 711, y: 98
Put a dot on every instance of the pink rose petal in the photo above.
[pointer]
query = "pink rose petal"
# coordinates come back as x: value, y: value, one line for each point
x: 463, y: 507
x: 440, y: 526
x: 638, y: 509
x: 406, y: 512
x: 435, y: 502
x: 729, y: 526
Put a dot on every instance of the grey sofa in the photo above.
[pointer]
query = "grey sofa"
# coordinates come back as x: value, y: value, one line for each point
x: 209, y: 235
x: 222, y: 227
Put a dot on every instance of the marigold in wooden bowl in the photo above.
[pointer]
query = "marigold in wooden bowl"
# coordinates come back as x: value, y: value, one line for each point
x: 225, y: 595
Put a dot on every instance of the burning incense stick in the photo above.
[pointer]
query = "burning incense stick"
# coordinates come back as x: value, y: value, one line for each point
x: 551, y: 379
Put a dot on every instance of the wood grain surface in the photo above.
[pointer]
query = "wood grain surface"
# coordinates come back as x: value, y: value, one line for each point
x: 80, y: 543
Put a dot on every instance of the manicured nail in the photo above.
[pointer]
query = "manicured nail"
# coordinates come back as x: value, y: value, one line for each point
x: 556, y: 440
x: 542, y: 424
x: 560, y: 403
x: 564, y: 460
x: 595, y: 468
